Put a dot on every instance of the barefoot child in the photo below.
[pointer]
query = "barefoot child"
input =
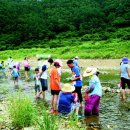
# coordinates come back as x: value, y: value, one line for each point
x: 37, y: 83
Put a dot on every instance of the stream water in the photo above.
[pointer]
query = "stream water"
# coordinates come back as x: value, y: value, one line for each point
x: 114, y: 113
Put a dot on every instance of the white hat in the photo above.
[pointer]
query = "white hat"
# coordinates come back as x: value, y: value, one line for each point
x: 89, y: 71
x: 68, y: 88
x: 76, y: 57
x: 49, y: 56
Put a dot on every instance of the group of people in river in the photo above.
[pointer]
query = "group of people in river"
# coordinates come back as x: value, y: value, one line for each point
x: 67, y: 98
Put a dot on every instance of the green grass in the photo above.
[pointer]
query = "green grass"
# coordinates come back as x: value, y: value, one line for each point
x: 47, y: 121
x: 112, y: 48
x: 109, y: 78
x: 22, y: 111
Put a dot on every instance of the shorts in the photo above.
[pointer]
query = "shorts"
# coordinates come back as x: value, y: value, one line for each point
x: 44, y: 84
x: 26, y: 68
x: 55, y: 92
x: 125, y: 81
x: 3, y: 70
x: 15, y: 78
x: 78, y: 91
x: 37, y: 88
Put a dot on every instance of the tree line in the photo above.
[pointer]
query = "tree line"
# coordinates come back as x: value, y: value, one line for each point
x: 33, y: 23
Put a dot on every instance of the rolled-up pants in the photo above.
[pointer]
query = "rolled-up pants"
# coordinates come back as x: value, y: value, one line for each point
x: 92, y: 105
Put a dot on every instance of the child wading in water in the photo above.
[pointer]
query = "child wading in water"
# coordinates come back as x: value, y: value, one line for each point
x: 3, y: 70
x: 37, y: 83
x: 94, y: 91
x: 15, y: 74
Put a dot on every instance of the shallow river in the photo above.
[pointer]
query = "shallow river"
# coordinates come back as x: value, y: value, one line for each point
x: 114, y: 113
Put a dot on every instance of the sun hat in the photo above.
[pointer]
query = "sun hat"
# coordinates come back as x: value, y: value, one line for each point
x: 125, y: 60
x: 76, y: 57
x: 89, y: 71
x: 68, y: 88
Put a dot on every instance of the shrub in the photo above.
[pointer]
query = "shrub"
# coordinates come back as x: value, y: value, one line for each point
x: 21, y: 111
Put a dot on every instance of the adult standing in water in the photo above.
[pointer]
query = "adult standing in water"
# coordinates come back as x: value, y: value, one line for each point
x: 75, y: 61
x: 26, y: 67
x: 125, y: 75
x: 76, y: 79
x: 94, y: 90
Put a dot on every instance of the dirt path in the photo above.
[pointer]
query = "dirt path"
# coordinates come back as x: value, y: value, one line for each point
x: 99, y: 63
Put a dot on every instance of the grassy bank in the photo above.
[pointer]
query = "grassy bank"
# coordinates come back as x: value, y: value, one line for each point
x: 112, y: 48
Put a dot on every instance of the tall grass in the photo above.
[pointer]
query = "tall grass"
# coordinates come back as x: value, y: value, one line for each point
x: 22, y: 111
x: 47, y: 121
x: 112, y: 48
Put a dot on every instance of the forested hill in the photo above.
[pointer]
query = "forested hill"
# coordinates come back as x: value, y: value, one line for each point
x: 47, y: 23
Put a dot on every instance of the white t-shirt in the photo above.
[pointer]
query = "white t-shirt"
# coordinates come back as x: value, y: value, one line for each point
x: 124, y: 70
x: 44, y: 72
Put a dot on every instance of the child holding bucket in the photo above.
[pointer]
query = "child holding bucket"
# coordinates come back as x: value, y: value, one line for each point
x: 94, y: 91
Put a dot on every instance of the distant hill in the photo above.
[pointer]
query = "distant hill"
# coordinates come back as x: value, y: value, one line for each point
x: 49, y: 23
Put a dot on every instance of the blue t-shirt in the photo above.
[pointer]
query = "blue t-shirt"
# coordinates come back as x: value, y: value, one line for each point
x: 95, y: 82
x: 15, y: 73
x: 65, y: 102
x: 76, y: 70
x: 124, y: 70
x: 76, y: 62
